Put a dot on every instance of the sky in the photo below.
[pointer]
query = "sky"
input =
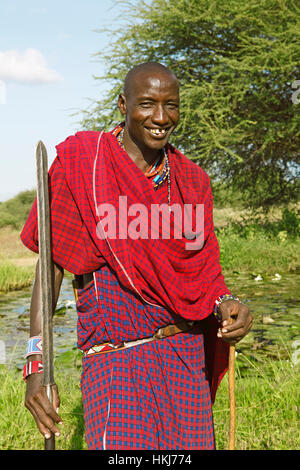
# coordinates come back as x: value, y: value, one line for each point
x: 46, y: 75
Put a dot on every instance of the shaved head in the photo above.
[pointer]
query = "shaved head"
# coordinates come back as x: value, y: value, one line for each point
x: 139, y: 71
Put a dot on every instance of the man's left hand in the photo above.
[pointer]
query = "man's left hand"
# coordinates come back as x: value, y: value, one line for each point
x: 239, y: 315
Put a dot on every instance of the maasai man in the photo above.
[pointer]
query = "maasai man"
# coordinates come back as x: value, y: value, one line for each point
x: 153, y: 307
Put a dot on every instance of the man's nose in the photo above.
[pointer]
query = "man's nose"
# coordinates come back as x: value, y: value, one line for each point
x: 160, y: 116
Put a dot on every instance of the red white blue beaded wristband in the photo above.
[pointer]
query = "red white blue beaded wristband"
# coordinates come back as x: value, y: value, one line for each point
x: 32, y: 367
x: 219, y: 301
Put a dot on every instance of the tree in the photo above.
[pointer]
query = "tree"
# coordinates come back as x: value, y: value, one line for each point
x: 237, y: 62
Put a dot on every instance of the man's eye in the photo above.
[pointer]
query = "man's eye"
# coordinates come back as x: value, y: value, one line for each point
x: 146, y: 104
x: 172, y: 105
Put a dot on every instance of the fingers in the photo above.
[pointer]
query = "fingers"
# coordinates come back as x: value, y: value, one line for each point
x: 235, y: 325
x: 47, y: 409
x: 241, y: 321
x: 43, y: 412
x: 55, y: 398
x: 235, y: 335
x: 44, y: 424
x: 229, y: 310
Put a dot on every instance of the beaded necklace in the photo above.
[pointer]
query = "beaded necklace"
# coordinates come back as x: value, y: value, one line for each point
x: 160, y: 177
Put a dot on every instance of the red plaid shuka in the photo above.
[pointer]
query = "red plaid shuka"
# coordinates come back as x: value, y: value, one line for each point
x: 160, y: 273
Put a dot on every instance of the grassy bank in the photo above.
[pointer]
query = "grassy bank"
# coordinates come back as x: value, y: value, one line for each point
x: 259, y: 255
x: 17, y: 263
x: 14, y: 277
x: 259, y: 244
x: 267, y: 406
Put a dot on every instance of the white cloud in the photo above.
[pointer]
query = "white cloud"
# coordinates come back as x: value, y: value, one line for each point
x: 27, y: 67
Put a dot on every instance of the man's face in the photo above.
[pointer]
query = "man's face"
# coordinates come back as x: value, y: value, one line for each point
x: 151, y: 108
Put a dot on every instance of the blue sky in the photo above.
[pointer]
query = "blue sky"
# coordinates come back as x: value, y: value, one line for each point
x: 46, y: 74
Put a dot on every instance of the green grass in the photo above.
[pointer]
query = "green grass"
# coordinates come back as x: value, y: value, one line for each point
x: 17, y: 263
x: 14, y: 277
x: 18, y: 428
x: 257, y: 244
x: 267, y: 409
x: 258, y: 255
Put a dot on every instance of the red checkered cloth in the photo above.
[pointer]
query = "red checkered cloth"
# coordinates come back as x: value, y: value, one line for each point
x: 162, y: 272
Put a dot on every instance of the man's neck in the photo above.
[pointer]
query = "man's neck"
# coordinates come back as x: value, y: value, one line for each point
x: 142, y: 157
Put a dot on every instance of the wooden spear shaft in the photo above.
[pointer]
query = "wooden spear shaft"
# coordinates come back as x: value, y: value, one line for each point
x: 46, y: 274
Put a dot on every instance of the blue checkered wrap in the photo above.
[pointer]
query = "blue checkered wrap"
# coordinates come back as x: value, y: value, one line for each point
x: 151, y: 396
x: 118, y: 316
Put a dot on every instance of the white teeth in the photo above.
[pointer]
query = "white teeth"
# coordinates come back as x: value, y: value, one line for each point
x: 158, y: 131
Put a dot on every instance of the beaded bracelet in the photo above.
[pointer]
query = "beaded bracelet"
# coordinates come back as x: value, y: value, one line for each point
x: 32, y: 367
x: 219, y: 301
x: 34, y: 346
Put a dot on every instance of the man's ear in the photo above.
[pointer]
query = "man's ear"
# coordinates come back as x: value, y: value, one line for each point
x: 122, y: 104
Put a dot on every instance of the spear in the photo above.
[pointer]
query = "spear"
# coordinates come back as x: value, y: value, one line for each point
x: 46, y: 274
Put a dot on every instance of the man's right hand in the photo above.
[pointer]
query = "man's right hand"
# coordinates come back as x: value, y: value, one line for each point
x: 37, y: 402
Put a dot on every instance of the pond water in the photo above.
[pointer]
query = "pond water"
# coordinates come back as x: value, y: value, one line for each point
x: 274, y: 303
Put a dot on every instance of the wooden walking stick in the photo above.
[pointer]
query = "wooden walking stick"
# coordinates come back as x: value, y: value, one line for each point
x: 46, y: 274
x: 231, y: 397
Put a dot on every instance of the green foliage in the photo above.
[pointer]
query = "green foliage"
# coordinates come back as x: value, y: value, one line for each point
x: 236, y: 62
x: 258, y: 245
x: 7, y: 219
x: 226, y: 196
x: 252, y: 227
x: 290, y: 223
x: 258, y: 254
x: 15, y: 211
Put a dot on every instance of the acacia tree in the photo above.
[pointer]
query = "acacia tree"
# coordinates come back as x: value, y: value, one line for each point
x: 237, y: 62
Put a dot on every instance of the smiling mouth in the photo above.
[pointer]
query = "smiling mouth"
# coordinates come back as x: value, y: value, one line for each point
x: 158, y: 132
